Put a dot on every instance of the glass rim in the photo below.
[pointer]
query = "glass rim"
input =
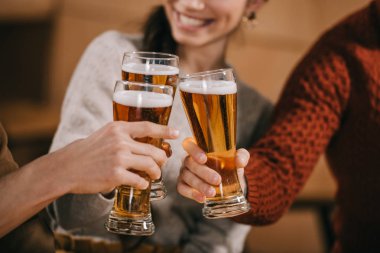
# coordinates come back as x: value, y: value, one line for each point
x: 167, y: 56
x: 160, y: 86
x: 207, y: 73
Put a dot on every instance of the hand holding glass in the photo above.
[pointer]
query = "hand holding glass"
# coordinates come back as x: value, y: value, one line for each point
x: 137, y: 102
x: 157, y: 69
x: 210, y: 99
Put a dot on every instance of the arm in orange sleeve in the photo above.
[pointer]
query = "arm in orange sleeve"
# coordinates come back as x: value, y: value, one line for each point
x: 307, y: 115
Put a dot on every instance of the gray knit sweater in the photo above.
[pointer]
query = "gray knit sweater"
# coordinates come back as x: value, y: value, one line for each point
x: 88, y: 106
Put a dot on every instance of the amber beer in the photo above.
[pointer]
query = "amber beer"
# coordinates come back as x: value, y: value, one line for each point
x: 211, y: 110
x: 213, y: 120
x: 156, y: 108
x: 157, y: 69
x: 131, y: 210
x: 152, y: 73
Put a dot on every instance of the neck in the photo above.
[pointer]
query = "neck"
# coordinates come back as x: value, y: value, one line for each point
x: 198, y: 59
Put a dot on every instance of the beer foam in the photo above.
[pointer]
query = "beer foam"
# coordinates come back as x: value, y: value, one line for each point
x: 150, y: 69
x: 217, y: 87
x: 142, y: 99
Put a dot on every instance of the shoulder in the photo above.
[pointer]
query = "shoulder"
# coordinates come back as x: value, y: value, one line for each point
x: 249, y: 94
x: 114, y: 41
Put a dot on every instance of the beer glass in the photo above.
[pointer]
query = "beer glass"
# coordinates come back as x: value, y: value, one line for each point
x: 154, y: 68
x: 210, y: 101
x: 137, y: 102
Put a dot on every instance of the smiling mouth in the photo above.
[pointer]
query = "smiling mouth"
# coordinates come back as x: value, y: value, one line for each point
x: 192, y: 22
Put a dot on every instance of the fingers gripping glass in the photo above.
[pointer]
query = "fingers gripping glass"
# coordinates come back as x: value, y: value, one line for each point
x: 131, y: 213
x: 209, y: 99
x: 157, y: 69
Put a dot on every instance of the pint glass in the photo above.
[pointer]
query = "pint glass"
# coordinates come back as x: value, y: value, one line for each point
x: 210, y: 101
x: 154, y: 68
x: 137, y: 102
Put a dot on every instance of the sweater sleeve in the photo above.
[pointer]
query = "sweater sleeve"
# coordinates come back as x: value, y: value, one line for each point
x: 87, y: 107
x: 308, y: 113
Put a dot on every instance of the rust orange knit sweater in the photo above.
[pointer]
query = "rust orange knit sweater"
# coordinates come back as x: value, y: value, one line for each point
x: 331, y: 103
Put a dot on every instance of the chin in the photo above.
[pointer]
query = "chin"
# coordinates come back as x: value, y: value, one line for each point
x: 188, y: 40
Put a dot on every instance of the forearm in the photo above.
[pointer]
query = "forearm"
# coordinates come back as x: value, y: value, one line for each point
x: 26, y: 191
x: 307, y: 116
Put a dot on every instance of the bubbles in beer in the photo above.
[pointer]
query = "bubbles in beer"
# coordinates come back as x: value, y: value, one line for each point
x: 142, y: 99
x: 150, y: 69
x: 209, y: 87
x: 150, y: 73
x: 211, y: 110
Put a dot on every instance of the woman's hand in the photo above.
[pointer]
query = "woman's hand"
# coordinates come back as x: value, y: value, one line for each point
x: 197, y: 181
x: 103, y: 160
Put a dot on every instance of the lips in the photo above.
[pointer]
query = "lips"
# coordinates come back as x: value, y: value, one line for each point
x: 192, y: 22
x: 185, y: 20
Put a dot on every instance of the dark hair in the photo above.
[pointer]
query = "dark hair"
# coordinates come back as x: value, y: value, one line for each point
x: 157, y: 33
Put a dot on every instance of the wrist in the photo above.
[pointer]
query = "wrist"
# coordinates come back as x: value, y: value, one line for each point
x: 48, y: 173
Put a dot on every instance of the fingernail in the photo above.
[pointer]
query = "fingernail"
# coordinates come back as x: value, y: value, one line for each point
x: 210, y: 192
x: 174, y: 132
x: 241, y: 161
x: 144, y: 184
x: 215, y: 179
x: 202, y: 158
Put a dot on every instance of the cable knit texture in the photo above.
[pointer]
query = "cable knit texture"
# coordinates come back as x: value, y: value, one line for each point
x: 330, y: 103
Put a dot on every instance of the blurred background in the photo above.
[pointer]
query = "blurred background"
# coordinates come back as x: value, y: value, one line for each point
x: 41, y: 42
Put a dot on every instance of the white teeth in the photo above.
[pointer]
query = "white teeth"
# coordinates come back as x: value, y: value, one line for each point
x: 190, y: 21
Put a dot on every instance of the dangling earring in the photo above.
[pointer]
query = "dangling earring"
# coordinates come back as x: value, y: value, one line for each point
x: 250, y: 20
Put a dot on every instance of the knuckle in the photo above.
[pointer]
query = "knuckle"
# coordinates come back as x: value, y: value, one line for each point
x: 150, y: 163
x: 142, y: 183
x: 119, y: 158
x: 186, y: 161
x: 205, y: 188
x: 153, y: 170
x: 180, y: 188
x: 192, y: 165
x: 119, y: 154
x: 114, y: 174
x: 118, y: 146
x: 147, y: 126
x: 187, y: 177
x: 138, y: 182
x: 158, y: 154
x: 161, y: 154
x: 114, y: 129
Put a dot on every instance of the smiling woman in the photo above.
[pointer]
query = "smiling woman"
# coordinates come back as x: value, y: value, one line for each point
x: 198, y: 32
x: 194, y: 23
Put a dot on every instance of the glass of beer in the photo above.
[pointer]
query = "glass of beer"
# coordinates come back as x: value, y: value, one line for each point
x: 157, y: 69
x: 131, y: 213
x: 210, y: 101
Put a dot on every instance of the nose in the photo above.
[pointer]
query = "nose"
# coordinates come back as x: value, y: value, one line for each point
x: 194, y: 4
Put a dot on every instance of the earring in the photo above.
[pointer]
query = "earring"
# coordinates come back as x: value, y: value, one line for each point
x: 250, y: 20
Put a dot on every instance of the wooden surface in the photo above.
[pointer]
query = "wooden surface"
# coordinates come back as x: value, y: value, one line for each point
x: 26, y: 10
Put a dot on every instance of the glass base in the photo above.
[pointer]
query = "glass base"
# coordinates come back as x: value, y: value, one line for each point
x: 130, y: 226
x: 157, y: 190
x: 224, y: 208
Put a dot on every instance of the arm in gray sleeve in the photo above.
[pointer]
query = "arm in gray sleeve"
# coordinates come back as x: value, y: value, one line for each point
x: 87, y: 107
